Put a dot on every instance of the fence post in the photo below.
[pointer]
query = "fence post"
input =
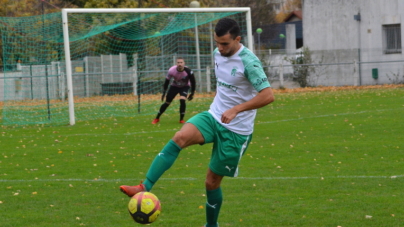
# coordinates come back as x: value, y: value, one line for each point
x: 356, y: 73
x: 111, y: 64
x: 135, y: 77
x: 281, y: 75
x: 86, y: 71
x: 199, y: 81
x: 208, y: 83
x: 122, y: 58
x: 102, y: 68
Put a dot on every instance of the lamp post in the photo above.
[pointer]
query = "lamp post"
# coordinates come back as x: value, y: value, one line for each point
x: 196, y: 4
x: 358, y: 18
x: 259, y: 31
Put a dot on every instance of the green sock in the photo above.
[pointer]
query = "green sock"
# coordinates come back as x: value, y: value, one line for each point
x: 162, y: 162
x: 213, y: 204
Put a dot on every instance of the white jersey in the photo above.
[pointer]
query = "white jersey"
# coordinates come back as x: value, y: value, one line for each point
x: 239, y: 79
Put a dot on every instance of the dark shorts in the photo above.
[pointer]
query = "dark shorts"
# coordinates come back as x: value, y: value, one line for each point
x: 173, y: 91
x: 228, y: 147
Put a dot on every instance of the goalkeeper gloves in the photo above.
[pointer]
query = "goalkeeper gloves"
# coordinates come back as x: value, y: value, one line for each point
x: 191, y: 96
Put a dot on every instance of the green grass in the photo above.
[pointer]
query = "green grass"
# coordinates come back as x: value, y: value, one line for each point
x: 317, y: 159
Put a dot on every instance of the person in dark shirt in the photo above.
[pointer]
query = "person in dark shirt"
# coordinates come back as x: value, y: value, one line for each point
x: 183, y: 79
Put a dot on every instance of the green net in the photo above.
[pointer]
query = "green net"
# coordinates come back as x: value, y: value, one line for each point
x: 119, y: 62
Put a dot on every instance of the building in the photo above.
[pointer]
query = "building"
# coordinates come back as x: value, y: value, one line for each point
x: 275, y: 36
x: 365, y: 32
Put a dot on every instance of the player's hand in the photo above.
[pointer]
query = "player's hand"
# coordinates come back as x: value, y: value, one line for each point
x: 162, y: 97
x: 191, y: 96
x: 229, y: 115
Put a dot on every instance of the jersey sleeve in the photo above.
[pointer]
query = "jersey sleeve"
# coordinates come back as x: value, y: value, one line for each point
x: 191, y: 77
x: 256, y: 75
x: 168, y: 75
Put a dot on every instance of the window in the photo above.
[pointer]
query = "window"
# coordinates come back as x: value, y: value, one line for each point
x: 392, y: 38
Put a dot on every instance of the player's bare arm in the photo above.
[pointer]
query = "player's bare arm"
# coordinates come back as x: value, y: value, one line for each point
x: 263, y: 98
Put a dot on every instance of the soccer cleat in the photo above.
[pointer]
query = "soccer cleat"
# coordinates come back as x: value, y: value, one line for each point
x: 182, y: 121
x: 132, y: 190
x: 155, y: 121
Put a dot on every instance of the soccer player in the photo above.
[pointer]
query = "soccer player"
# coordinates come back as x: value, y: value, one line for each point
x: 182, y: 77
x: 242, y: 88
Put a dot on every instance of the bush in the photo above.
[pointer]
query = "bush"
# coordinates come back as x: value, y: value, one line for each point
x: 302, y: 67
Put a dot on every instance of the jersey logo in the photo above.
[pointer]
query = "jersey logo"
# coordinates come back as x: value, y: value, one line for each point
x: 217, y: 65
x: 233, y: 71
x: 229, y: 168
x: 260, y: 81
x: 213, y: 206
x: 223, y: 84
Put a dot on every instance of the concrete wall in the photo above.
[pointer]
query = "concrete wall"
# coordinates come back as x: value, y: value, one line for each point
x: 10, y: 86
x: 330, y: 25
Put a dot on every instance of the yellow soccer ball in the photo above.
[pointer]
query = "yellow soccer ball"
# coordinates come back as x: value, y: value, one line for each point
x: 144, y: 207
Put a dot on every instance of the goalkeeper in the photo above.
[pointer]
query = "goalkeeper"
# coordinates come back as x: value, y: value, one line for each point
x: 183, y: 78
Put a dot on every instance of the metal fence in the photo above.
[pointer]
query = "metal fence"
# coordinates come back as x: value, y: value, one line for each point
x: 326, y: 68
x: 334, y: 67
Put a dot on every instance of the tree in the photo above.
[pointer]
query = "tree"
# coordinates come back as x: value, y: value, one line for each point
x: 78, y: 3
x: 261, y: 12
x: 24, y: 8
x: 288, y: 7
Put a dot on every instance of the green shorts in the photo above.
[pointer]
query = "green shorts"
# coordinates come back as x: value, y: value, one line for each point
x: 228, y: 147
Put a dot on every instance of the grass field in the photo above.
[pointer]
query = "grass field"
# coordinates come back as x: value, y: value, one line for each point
x: 318, y: 158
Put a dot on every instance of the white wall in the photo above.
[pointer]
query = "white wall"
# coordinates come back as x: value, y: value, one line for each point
x: 13, y: 86
x: 330, y: 25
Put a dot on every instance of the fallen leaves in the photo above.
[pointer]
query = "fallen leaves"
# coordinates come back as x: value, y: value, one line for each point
x: 339, y: 88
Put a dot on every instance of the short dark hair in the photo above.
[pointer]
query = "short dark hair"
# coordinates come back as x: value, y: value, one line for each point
x: 227, y: 25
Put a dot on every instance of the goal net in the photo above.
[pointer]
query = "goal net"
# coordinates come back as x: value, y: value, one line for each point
x: 84, y: 64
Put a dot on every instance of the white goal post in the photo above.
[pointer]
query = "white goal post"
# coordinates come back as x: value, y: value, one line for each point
x: 67, y: 39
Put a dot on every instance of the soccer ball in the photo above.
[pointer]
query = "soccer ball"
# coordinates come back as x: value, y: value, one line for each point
x: 144, y: 207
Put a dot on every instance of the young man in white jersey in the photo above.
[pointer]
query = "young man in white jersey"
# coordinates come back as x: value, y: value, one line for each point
x: 242, y: 88
x: 182, y: 78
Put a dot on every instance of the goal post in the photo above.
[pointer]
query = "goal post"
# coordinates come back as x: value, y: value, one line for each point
x: 66, y: 12
x: 87, y: 64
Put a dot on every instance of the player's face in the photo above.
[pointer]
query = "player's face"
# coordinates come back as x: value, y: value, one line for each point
x: 180, y: 64
x: 227, y: 45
